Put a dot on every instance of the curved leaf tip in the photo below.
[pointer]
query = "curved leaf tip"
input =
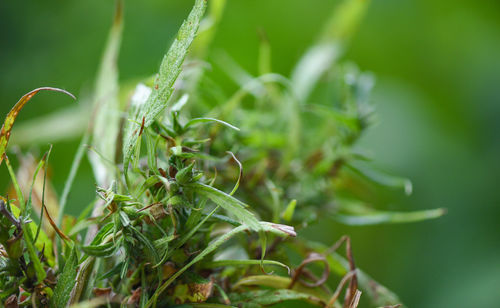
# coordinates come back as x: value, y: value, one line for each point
x: 12, y: 115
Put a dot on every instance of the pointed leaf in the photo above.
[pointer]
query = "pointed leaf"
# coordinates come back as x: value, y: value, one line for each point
x: 12, y: 115
x: 330, y: 47
x: 66, y: 281
x: 224, y: 263
x: 380, y: 217
x: 106, y: 104
x: 229, y: 203
x: 264, y: 298
x: 206, y: 120
x: 170, y: 69
x: 381, y: 178
x: 103, y: 250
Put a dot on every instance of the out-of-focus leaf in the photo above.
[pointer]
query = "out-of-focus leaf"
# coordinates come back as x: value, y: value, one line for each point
x: 47, y: 128
x: 290, y: 209
x: 208, y: 28
x: 380, y: 217
x: 205, y: 120
x: 330, y: 47
x: 204, y: 38
x: 264, y: 298
x: 208, y: 305
x: 106, y: 105
x: 254, y: 86
x: 264, y: 63
x: 224, y: 263
x: 240, y: 173
x: 12, y: 115
x: 71, y: 177
x: 66, y: 281
x: 93, y: 303
x: 378, y: 294
x: 238, y: 74
x: 230, y: 204
x: 164, y: 84
x: 381, y: 178
x: 80, y: 226
x: 281, y: 283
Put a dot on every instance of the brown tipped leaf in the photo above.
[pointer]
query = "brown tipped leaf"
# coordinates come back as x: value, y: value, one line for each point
x: 12, y: 115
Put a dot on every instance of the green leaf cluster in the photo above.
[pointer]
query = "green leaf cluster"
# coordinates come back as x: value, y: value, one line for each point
x: 206, y: 190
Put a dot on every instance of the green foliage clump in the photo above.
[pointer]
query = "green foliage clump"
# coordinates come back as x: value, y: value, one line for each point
x: 200, y: 193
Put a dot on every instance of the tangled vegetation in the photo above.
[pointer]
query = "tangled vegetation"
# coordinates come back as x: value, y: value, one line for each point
x: 200, y: 193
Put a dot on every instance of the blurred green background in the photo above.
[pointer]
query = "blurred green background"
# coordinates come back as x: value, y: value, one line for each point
x: 437, y: 97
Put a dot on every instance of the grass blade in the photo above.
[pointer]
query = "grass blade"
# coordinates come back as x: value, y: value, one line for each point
x: 106, y: 105
x: 47, y: 128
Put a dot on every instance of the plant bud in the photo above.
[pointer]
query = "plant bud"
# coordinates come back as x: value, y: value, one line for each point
x: 185, y: 175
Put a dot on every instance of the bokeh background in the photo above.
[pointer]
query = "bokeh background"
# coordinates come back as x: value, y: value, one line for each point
x: 437, y: 96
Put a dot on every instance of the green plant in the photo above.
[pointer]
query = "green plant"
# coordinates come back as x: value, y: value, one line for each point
x: 166, y: 228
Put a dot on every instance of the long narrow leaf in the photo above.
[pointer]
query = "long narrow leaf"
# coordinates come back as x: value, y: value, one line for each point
x: 330, y: 46
x: 381, y: 217
x: 106, y: 105
x: 12, y: 115
x: 47, y: 128
x: 66, y: 281
x: 224, y: 263
x: 381, y: 178
x: 170, y: 69
x: 279, y: 282
x: 264, y: 298
x: 206, y: 120
x: 71, y: 177
x: 229, y: 203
